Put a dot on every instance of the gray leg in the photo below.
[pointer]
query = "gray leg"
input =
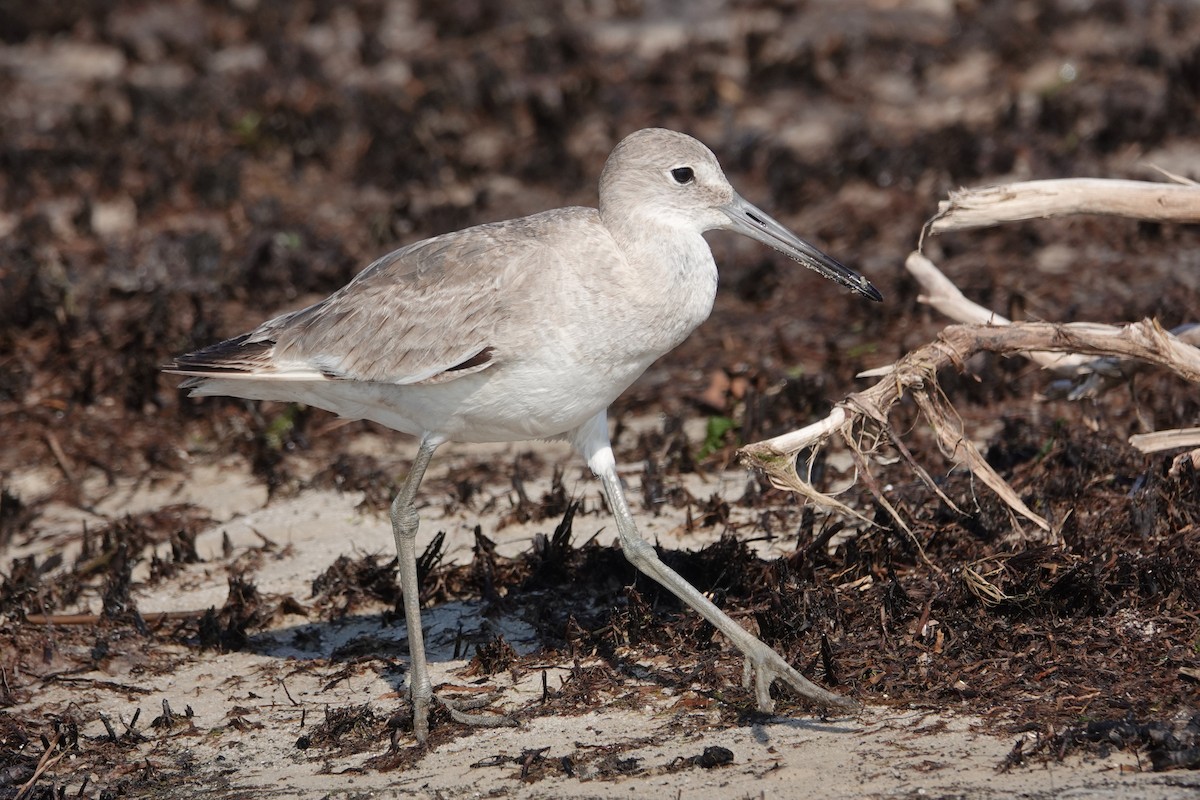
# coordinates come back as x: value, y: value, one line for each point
x: 761, y: 661
x: 404, y: 528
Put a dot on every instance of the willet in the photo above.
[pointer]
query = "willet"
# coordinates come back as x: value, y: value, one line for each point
x: 524, y: 329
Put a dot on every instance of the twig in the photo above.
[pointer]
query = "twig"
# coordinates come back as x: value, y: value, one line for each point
x: 93, y: 619
x: 45, y: 763
x: 62, y: 619
x: 112, y: 734
x: 61, y: 457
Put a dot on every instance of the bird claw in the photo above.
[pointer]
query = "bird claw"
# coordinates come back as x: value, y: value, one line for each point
x: 766, y: 666
x: 458, y: 712
x: 459, y: 708
x: 762, y: 677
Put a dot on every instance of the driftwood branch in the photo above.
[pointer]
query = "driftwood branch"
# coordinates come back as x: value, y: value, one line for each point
x: 940, y: 292
x: 1080, y: 375
x: 915, y: 376
x: 1088, y: 358
x: 1166, y: 440
x: 995, y: 205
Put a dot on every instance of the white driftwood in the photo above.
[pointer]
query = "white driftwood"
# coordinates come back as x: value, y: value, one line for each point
x: 1166, y: 440
x: 1079, y: 375
x: 940, y: 292
x: 915, y: 375
x: 1089, y: 358
x: 995, y: 205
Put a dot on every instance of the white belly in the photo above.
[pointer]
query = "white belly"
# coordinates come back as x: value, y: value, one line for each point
x: 501, y: 405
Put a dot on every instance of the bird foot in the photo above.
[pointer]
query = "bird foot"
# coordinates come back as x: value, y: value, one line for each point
x: 459, y: 712
x: 763, y: 666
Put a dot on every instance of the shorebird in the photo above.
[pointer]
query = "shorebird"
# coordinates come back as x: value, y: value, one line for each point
x: 524, y: 329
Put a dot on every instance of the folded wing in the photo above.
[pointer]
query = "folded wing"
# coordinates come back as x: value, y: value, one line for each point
x: 426, y: 313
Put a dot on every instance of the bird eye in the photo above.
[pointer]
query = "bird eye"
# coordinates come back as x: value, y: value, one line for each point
x: 683, y: 175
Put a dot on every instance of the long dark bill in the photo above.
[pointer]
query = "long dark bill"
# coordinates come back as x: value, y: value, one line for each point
x: 749, y: 220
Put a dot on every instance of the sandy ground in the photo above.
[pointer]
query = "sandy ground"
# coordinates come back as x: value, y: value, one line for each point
x: 250, y: 709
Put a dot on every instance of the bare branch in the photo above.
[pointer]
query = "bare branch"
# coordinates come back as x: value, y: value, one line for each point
x: 1166, y: 440
x: 995, y: 205
x: 1080, y: 375
x: 916, y: 375
x: 941, y: 293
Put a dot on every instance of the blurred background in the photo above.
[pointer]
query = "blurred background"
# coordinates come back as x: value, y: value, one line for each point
x: 172, y: 173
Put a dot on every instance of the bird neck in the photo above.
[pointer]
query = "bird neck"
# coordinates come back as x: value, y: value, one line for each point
x: 676, y: 268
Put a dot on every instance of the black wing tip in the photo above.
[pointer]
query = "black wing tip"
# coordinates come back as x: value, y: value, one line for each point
x: 475, y: 362
x: 231, y: 356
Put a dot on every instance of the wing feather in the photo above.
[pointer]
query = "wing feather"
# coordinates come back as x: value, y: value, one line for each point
x: 426, y: 313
